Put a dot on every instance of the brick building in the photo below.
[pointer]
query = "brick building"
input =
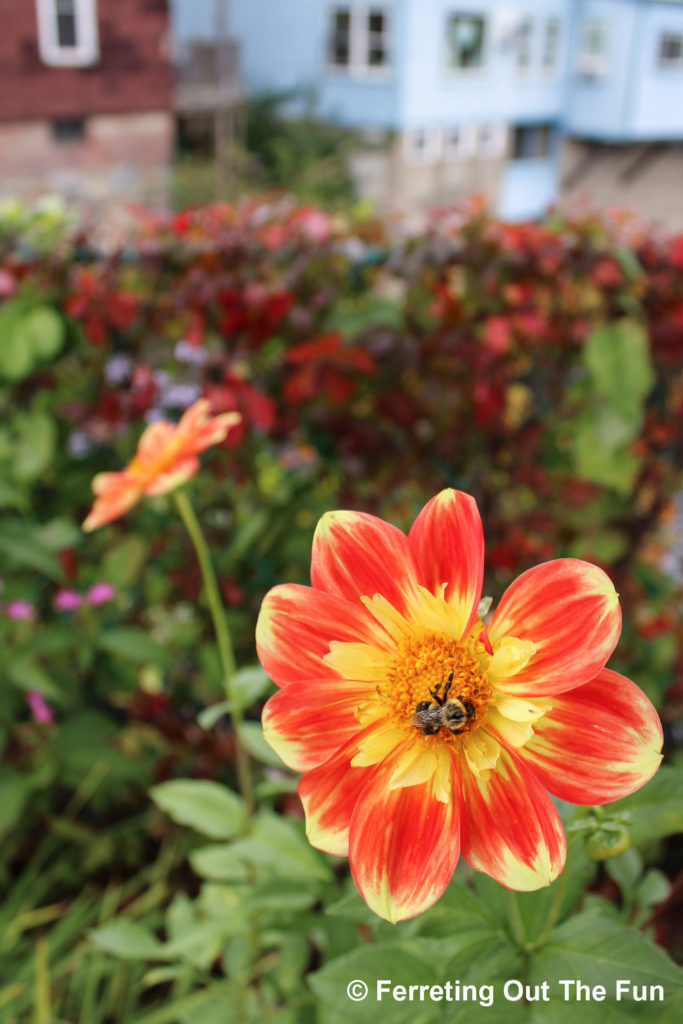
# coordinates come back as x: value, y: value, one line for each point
x: 86, y: 98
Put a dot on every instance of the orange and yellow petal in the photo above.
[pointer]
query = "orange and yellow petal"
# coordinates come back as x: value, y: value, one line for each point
x: 296, y: 625
x: 404, y: 844
x: 448, y: 541
x: 329, y: 794
x: 154, y: 446
x: 177, y: 474
x: 510, y: 827
x: 305, y: 724
x: 198, y: 430
x: 568, y: 612
x: 598, y: 743
x: 115, y: 493
x: 357, y: 555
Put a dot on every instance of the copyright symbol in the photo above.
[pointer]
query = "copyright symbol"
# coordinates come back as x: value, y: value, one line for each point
x: 357, y: 990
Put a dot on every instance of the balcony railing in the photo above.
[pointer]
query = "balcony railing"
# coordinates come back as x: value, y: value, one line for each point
x: 208, y: 76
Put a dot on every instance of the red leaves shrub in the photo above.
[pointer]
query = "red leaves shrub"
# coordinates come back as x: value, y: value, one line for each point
x: 372, y: 372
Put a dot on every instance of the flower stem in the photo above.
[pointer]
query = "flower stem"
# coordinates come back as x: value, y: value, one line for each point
x: 556, y: 906
x: 225, y: 651
x: 515, y: 919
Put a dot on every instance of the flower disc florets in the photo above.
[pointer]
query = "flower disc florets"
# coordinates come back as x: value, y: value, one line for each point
x: 428, y: 665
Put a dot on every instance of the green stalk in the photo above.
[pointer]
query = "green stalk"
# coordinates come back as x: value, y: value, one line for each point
x: 515, y: 919
x: 225, y: 651
x: 556, y: 906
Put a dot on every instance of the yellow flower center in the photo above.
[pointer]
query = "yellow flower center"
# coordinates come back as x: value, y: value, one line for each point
x: 432, y: 668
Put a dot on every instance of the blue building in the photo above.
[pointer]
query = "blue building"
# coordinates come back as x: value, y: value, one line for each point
x: 523, y: 101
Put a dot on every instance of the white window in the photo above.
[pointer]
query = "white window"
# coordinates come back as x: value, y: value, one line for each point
x: 461, y: 141
x: 551, y: 44
x: 593, y: 49
x: 671, y: 50
x: 359, y: 39
x: 378, y: 38
x: 67, y: 32
x: 492, y: 140
x: 422, y: 145
x: 524, y: 37
x: 466, y: 41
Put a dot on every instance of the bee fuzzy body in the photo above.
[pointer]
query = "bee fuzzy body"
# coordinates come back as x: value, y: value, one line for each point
x: 441, y: 712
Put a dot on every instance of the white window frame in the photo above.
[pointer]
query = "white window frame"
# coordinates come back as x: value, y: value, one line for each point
x: 496, y: 143
x: 669, y: 64
x: 525, y: 45
x: 591, y: 63
x: 454, y: 69
x: 361, y: 39
x: 465, y: 146
x: 429, y: 153
x: 552, y: 31
x: 87, y: 48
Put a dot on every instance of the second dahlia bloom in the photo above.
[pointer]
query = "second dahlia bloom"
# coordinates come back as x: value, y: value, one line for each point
x: 421, y: 732
x: 167, y: 457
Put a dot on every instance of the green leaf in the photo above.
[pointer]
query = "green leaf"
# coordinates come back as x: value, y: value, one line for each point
x: 399, y: 963
x: 625, y: 869
x: 656, y: 810
x: 84, y: 741
x: 21, y: 546
x: 128, y: 939
x: 209, y: 716
x: 205, y: 806
x: 42, y: 330
x: 617, y: 357
x: 16, y: 358
x: 280, y: 846
x: 250, y: 683
x: 653, y: 889
x: 219, y: 863
x: 35, y: 444
x: 599, y: 450
x: 352, y: 316
x: 27, y: 674
x: 15, y: 790
x: 134, y: 645
x: 600, y: 951
x: 59, y: 533
x: 124, y: 561
x: 252, y: 737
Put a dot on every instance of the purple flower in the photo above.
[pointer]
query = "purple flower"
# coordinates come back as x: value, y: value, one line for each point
x: 100, y: 593
x: 40, y: 709
x: 22, y: 611
x: 67, y: 601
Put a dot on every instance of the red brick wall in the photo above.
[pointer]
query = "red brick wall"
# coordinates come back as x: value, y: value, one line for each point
x: 133, y: 72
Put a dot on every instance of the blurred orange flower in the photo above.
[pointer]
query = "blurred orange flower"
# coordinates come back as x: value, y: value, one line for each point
x: 166, y: 458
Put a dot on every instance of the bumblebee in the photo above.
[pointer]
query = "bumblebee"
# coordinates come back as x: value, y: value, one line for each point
x: 442, y: 712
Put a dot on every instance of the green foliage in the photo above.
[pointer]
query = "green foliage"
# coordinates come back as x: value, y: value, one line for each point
x: 31, y: 334
x: 205, y: 806
x: 620, y: 376
x: 299, y: 149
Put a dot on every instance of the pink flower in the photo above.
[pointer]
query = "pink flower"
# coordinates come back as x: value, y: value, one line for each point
x: 67, y: 601
x: 22, y: 611
x: 101, y: 593
x: 40, y: 709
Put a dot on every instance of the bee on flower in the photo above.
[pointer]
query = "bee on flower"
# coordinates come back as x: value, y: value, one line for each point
x: 167, y: 457
x: 422, y: 733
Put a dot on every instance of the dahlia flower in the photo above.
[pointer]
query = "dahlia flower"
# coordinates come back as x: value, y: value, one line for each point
x: 166, y: 458
x: 424, y: 733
